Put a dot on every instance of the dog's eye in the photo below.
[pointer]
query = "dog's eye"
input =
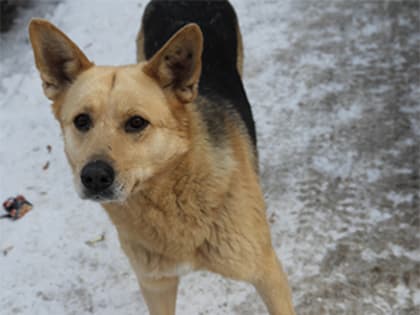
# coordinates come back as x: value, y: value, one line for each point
x: 82, y: 122
x: 135, y: 124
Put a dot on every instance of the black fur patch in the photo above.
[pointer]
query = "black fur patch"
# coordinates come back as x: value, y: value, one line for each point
x: 220, y: 79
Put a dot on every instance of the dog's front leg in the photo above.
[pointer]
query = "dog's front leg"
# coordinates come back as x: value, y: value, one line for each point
x: 160, y: 294
x: 159, y: 291
x: 273, y: 287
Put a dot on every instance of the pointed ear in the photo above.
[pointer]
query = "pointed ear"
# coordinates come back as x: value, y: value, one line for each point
x: 57, y: 58
x: 177, y: 65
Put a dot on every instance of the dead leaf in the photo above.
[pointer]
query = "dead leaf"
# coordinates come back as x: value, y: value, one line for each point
x: 99, y: 239
x: 272, y: 218
x: 7, y: 250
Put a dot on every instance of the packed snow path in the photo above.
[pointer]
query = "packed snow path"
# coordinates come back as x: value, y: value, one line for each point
x: 336, y: 96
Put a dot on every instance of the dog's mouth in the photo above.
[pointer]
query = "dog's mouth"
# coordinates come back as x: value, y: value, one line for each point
x: 111, y: 194
x: 99, y: 197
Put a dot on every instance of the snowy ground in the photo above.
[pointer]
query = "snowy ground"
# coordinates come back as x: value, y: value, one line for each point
x: 335, y: 90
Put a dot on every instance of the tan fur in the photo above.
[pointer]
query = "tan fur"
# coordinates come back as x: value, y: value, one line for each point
x: 140, y: 45
x: 240, y: 51
x: 184, y: 204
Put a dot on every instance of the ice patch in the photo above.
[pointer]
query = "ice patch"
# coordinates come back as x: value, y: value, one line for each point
x: 416, y: 297
x: 398, y: 198
x: 337, y: 165
x: 402, y: 293
x: 373, y: 174
x: 348, y: 114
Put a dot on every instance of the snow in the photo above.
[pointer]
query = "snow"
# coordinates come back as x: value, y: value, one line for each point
x: 332, y: 84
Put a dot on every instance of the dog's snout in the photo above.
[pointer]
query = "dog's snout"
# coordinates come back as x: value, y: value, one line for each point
x: 97, y: 176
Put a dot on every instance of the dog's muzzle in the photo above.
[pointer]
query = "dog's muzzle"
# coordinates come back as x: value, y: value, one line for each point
x: 97, y: 178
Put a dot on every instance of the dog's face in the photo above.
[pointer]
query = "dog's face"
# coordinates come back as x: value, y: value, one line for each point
x: 119, y: 130
x: 121, y: 125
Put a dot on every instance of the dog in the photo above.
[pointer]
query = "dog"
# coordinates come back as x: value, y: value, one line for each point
x: 167, y: 146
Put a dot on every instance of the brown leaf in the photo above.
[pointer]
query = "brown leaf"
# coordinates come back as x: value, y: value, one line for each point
x: 272, y: 218
x: 46, y: 165
x: 7, y: 250
x: 99, y: 239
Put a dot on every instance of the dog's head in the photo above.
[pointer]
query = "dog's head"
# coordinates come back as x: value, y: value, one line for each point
x: 121, y: 125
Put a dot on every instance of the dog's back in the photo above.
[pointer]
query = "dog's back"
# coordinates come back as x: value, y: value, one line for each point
x: 220, y: 81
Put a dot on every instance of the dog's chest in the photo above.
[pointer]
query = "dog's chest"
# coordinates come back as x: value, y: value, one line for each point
x: 176, y: 270
x: 153, y: 265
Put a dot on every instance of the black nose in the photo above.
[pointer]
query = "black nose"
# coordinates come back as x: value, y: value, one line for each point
x: 97, y: 176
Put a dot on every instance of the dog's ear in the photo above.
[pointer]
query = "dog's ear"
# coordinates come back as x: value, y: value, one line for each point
x: 57, y: 58
x: 177, y: 65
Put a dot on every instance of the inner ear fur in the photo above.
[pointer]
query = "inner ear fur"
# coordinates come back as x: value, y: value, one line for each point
x: 57, y: 58
x: 177, y: 65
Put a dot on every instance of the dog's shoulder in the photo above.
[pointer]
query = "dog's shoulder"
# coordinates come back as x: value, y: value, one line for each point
x: 221, y: 90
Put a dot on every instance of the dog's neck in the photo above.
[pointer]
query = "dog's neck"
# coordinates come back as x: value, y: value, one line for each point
x: 199, y: 178
x: 179, y: 204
